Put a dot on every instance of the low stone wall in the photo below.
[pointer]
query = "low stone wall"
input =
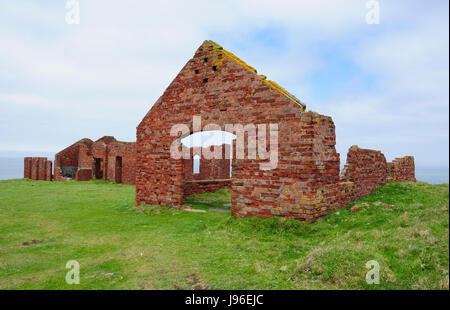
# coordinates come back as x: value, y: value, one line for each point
x: 121, y: 162
x: 202, y: 186
x: 402, y: 169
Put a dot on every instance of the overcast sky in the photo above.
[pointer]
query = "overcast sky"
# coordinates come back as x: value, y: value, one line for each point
x: 385, y: 85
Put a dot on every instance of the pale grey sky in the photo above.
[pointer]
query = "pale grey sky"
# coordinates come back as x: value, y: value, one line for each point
x: 385, y: 85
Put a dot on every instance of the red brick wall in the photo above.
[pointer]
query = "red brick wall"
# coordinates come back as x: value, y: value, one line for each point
x: 85, y: 156
x: 83, y: 174
x: 308, y: 162
x: 27, y: 168
x: 99, y: 150
x: 126, y: 150
x: 70, y: 157
x: 37, y: 168
x: 402, y: 169
x: 48, y: 173
x: 210, y: 169
x: 366, y: 168
x: 365, y: 171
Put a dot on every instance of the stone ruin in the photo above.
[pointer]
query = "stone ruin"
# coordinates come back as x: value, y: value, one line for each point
x: 222, y: 89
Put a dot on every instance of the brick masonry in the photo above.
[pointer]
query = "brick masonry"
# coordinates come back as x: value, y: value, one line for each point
x: 222, y: 89
x: 37, y: 168
x: 210, y: 169
x: 72, y: 158
x: 27, y: 168
x: 402, y: 169
x: 367, y: 169
x: 214, y: 173
x: 126, y: 153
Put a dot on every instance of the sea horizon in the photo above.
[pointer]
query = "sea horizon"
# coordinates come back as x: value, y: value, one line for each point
x: 12, y: 168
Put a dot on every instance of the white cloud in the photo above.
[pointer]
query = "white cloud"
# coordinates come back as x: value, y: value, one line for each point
x: 106, y: 72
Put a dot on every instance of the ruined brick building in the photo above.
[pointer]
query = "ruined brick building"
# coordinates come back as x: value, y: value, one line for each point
x: 222, y: 89
x: 106, y: 159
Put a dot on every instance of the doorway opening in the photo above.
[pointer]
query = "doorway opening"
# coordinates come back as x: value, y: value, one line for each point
x: 98, y: 171
x: 118, y: 172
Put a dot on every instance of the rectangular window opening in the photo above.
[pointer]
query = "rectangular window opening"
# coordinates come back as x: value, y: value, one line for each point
x: 196, y: 165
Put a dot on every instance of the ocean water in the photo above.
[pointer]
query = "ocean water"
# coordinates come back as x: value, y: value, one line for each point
x: 432, y: 175
x: 12, y: 168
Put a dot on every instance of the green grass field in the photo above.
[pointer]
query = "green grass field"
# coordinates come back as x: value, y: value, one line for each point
x: 45, y: 224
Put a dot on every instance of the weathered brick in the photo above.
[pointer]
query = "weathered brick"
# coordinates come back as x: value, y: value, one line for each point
x: 402, y: 169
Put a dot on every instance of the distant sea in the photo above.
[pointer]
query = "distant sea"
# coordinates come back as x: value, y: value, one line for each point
x: 12, y: 168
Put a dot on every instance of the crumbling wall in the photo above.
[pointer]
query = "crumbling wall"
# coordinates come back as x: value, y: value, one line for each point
x: 78, y: 161
x: 310, y: 162
x: 367, y: 169
x: 37, y: 168
x: 67, y: 161
x: 402, y: 169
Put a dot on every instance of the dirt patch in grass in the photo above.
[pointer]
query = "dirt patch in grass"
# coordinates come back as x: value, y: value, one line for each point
x: 32, y: 242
